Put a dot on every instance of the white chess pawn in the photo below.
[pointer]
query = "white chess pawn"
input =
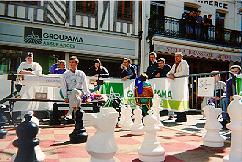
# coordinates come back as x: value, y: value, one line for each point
x: 128, y: 119
x: 212, y: 138
x: 151, y: 150
x: 137, y: 128
x: 102, y: 145
x: 235, y: 113
x: 122, y: 116
x: 156, y: 108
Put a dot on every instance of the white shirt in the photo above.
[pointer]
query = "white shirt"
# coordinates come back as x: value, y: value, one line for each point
x: 181, y: 70
x: 76, y: 80
x: 36, y: 68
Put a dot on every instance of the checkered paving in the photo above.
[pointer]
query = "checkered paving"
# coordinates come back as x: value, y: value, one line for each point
x: 179, y: 146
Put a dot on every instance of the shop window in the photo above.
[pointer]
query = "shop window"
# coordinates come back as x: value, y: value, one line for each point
x: 125, y: 9
x: 86, y: 7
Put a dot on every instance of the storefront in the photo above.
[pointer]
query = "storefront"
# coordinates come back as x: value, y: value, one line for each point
x: 200, y: 57
x: 49, y: 43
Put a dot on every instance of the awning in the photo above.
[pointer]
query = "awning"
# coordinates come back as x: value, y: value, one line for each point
x: 197, y: 52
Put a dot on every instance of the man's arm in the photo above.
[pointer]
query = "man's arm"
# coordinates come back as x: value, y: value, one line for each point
x: 38, y: 69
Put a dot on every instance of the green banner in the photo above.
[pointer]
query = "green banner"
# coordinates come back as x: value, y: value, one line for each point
x: 239, y: 85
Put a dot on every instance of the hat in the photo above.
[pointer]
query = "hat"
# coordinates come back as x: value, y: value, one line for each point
x: 178, y: 53
x: 235, y: 66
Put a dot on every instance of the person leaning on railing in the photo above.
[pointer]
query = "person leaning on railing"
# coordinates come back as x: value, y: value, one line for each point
x: 179, y: 69
x: 98, y: 70
x: 127, y: 70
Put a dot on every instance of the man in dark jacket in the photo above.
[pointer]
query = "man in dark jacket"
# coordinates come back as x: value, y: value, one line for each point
x: 127, y: 70
x: 230, y: 92
x: 162, y: 68
x: 152, y: 65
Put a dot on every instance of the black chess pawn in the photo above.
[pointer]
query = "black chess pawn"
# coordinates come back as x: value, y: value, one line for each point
x: 27, y: 143
x: 3, y: 132
x: 79, y: 134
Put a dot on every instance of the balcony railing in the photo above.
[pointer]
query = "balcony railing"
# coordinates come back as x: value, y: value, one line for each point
x: 179, y: 28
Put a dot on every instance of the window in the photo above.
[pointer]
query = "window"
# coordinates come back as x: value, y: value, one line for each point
x: 86, y: 7
x: 28, y: 3
x: 125, y: 10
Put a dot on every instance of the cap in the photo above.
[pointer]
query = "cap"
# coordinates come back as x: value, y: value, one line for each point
x: 179, y: 53
x: 235, y: 66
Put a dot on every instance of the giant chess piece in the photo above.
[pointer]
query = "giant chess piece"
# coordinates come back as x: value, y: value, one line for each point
x: 235, y: 113
x: 151, y: 150
x: 128, y: 122
x: 156, y: 108
x: 212, y: 138
x: 79, y: 134
x: 122, y: 115
x: 102, y: 145
x: 137, y: 127
x: 3, y: 132
x: 27, y: 143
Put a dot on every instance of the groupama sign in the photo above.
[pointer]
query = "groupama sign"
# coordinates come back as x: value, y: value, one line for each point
x: 51, y: 38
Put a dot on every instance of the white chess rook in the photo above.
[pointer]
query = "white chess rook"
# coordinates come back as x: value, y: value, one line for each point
x: 235, y: 113
x: 137, y: 127
x: 102, y: 145
x: 212, y: 138
x: 151, y: 150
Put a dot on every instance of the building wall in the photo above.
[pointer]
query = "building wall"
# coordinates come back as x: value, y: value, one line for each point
x: 175, y: 9
x: 103, y: 35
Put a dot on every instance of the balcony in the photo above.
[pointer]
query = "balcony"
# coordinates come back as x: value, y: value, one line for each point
x: 179, y: 28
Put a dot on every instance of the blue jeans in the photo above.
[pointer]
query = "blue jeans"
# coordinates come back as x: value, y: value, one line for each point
x: 224, y: 105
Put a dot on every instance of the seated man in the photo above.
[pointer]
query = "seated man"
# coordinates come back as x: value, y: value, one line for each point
x: 143, y: 93
x: 74, y: 86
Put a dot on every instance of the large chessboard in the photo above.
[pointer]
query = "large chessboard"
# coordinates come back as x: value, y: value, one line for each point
x: 179, y: 146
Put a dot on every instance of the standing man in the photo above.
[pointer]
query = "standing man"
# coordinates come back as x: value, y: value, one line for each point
x: 29, y: 67
x: 74, y: 86
x: 230, y: 92
x: 162, y: 68
x: 180, y: 68
x: 152, y: 65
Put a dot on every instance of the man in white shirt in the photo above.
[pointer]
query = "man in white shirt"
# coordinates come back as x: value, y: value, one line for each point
x: 180, y: 68
x: 74, y: 85
x: 29, y: 67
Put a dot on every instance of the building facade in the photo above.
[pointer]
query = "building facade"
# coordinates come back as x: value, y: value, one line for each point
x: 208, y: 45
x: 58, y: 29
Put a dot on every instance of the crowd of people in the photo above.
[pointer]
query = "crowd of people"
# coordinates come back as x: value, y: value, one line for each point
x: 194, y: 25
x: 74, y: 79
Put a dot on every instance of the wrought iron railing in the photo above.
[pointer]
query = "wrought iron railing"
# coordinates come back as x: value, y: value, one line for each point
x: 180, y: 28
